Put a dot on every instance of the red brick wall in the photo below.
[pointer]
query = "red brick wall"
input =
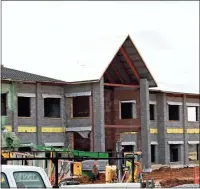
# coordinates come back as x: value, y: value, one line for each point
x: 108, y: 106
x: 112, y: 112
x: 120, y: 95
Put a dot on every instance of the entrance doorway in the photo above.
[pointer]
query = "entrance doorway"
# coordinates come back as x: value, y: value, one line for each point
x: 81, y: 143
x: 153, y: 153
x: 174, y: 152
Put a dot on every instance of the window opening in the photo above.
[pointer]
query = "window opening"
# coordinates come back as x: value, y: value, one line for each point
x: 128, y: 110
x: 193, y: 152
x: 193, y: 113
x: 24, y: 107
x: 152, y: 113
x: 3, y: 104
x: 52, y: 107
x: 81, y: 106
x: 173, y: 112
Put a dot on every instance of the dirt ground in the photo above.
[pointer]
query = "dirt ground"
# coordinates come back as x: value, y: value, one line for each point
x: 170, y: 177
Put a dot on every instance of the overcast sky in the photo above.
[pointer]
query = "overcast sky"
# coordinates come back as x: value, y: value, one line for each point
x: 42, y: 37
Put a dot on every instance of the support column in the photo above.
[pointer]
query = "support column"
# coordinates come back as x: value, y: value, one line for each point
x: 62, y: 114
x: 38, y: 114
x: 163, y: 147
x: 185, y: 135
x: 98, y: 113
x: 145, y: 122
x: 14, y: 107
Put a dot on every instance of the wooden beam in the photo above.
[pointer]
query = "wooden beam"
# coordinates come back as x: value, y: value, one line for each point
x: 121, y: 85
x: 125, y: 70
x: 118, y: 74
x: 129, y: 61
x: 109, y: 77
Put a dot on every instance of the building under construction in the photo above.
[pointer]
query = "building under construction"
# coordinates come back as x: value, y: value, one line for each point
x: 92, y: 114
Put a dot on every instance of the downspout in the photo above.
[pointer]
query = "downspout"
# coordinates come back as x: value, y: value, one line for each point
x: 92, y: 117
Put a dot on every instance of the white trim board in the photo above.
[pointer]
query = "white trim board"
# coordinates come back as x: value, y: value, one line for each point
x: 51, y: 96
x: 26, y: 94
x: 128, y: 101
x: 78, y: 129
x: 154, y: 143
x: 174, y: 103
x: 87, y: 93
x: 192, y: 104
x: 175, y: 142
x: 128, y: 143
x: 152, y: 102
x: 54, y: 144
x: 193, y: 142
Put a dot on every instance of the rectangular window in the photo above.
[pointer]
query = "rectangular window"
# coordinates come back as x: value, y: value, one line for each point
x: 173, y: 112
x: 3, y: 104
x: 24, y: 109
x: 128, y: 110
x: 28, y: 179
x: 152, y: 112
x: 81, y: 106
x: 193, y: 114
x: 52, y: 107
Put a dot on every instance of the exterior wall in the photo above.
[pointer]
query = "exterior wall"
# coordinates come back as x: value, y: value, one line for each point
x: 112, y: 99
x: 37, y: 121
x: 26, y: 121
x: 77, y: 122
x: 50, y: 122
x: 104, y: 101
x: 73, y: 123
x: 153, y: 123
x: 122, y: 95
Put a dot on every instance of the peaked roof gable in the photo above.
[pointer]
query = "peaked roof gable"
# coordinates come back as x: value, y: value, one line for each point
x: 94, y: 66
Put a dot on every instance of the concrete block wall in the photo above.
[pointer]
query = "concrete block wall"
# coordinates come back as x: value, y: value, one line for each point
x: 70, y: 122
x: 51, y: 122
x: 26, y: 121
x: 37, y: 114
x: 153, y: 123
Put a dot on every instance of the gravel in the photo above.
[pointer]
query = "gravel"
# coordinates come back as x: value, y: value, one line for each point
x: 188, y: 186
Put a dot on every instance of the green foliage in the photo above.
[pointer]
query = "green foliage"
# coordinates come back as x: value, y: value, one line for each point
x: 11, y: 140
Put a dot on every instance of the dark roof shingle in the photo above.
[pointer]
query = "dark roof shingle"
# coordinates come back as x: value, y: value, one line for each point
x: 16, y: 75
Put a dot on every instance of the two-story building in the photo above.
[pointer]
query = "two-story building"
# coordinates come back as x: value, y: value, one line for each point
x: 115, y: 102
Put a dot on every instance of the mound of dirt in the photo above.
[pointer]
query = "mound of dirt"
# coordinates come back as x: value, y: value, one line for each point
x: 167, y: 173
x: 175, y: 182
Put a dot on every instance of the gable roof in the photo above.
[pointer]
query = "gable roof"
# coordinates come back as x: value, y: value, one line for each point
x: 16, y: 75
x: 92, y: 64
